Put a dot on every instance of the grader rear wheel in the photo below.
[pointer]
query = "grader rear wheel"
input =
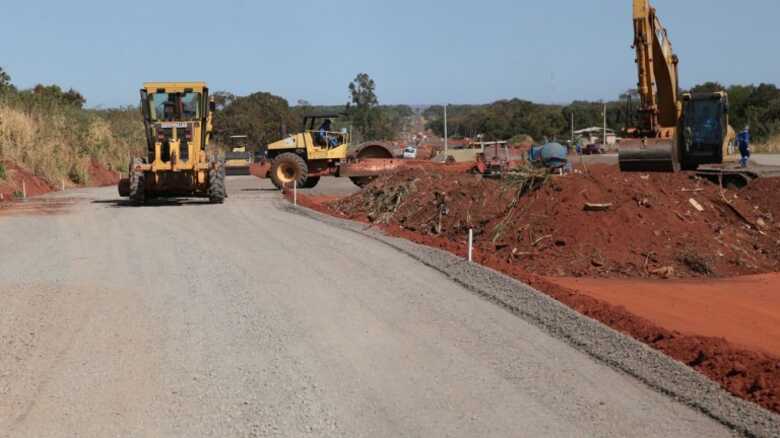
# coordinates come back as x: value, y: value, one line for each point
x: 288, y: 168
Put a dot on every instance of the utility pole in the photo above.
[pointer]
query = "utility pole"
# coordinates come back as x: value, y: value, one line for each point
x: 572, y: 127
x: 446, y: 145
x: 604, y: 139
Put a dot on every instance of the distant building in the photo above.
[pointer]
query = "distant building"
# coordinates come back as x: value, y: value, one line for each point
x: 593, y: 136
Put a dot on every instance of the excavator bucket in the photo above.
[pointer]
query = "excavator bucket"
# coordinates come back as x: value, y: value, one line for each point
x: 648, y: 155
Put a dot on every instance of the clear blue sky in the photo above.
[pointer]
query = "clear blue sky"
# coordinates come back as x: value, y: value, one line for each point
x: 419, y: 52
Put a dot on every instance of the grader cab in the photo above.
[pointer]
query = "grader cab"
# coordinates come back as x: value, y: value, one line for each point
x: 177, y: 120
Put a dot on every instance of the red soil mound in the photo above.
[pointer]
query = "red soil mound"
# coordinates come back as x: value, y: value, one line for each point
x: 652, y: 229
x: 12, y: 185
x: 16, y: 179
x: 100, y: 176
x: 764, y: 194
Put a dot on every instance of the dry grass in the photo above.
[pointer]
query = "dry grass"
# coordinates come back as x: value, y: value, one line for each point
x: 771, y: 146
x: 59, y: 142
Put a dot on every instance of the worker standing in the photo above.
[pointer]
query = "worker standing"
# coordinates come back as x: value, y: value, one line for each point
x: 743, y: 140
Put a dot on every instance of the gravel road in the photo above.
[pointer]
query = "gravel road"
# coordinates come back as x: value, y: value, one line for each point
x: 246, y: 320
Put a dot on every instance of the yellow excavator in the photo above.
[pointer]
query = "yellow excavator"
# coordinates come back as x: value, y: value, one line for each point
x: 675, y: 130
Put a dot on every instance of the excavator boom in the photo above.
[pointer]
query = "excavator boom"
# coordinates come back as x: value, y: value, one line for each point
x: 654, y: 146
x: 675, y: 130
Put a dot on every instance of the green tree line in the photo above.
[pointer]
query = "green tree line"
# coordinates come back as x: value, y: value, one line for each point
x: 757, y: 106
x: 266, y: 118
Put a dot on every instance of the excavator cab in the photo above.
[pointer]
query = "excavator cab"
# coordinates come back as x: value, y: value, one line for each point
x: 704, y: 133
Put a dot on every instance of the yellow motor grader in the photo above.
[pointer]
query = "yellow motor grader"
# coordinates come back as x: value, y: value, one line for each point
x: 177, y: 120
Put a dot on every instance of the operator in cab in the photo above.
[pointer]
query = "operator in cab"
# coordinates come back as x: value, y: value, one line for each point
x: 323, y: 135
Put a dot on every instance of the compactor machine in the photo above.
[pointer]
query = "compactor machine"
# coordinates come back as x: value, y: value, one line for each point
x: 675, y: 130
x: 238, y: 159
x: 177, y: 120
x: 322, y: 150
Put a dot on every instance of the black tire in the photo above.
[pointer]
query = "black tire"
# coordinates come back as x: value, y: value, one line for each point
x: 287, y: 168
x: 217, y: 191
x: 311, y: 182
x: 137, y: 182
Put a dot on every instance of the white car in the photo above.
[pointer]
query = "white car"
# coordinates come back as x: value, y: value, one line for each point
x: 410, y: 152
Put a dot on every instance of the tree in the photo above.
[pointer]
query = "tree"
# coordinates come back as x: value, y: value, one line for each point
x: 363, y: 92
x: 261, y: 116
x: 369, y: 120
x: 708, y: 87
x: 5, y: 82
x: 223, y: 99
x: 54, y: 94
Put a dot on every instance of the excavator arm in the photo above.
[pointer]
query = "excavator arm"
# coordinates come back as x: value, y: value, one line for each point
x: 658, y: 84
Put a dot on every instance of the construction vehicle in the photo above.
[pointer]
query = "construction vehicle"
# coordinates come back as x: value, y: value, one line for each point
x: 319, y: 150
x: 238, y: 160
x: 675, y: 130
x: 177, y: 120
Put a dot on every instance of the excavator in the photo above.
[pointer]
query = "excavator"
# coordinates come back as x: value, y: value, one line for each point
x: 676, y: 131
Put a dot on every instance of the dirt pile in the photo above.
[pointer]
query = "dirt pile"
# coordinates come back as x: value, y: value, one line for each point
x: 100, y: 176
x: 763, y: 194
x: 17, y: 179
x: 599, y: 223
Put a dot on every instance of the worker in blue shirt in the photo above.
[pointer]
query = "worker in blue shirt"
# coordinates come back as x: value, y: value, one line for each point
x: 743, y: 141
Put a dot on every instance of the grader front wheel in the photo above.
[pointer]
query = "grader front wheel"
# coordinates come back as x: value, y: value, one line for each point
x: 217, y: 191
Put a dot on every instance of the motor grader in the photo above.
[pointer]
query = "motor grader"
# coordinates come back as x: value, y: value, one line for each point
x: 178, y: 123
x: 319, y: 150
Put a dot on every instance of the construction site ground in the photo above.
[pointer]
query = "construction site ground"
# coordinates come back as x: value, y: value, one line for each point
x: 701, y: 286
x: 248, y: 319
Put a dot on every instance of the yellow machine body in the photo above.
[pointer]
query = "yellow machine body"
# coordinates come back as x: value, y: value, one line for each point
x: 177, y: 120
x: 674, y: 130
x: 238, y: 159
x: 305, y: 143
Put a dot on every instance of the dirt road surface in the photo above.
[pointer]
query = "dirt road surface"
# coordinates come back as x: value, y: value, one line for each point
x: 247, y: 320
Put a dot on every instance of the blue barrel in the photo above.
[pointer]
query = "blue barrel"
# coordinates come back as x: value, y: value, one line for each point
x: 552, y: 155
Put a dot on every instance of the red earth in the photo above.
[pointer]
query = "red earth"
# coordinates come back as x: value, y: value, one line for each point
x: 652, y: 226
x: 743, y: 310
x: 18, y: 178
x: 100, y: 176
x: 651, y: 265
